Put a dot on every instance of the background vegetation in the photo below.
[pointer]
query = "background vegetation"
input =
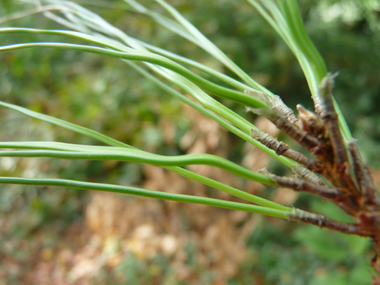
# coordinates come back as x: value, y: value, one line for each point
x: 60, y: 236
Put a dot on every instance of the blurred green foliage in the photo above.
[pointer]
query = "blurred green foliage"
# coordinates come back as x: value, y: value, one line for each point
x: 106, y: 95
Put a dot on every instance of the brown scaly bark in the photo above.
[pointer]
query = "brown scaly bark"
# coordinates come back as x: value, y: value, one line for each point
x: 334, y: 163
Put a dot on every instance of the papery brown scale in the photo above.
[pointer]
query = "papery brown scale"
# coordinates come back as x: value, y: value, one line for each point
x: 300, y: 185
x: 330, y: 120
x: 282, y: 149
x: 342, y: 177
x: 308, y: 175
x: 325, y: 222
x: 323, y: 153
x: 310, y: 122
x: 348, y: 202
x: 370, y: 220
x: 297, y: 134
x: 362, y: 176
x: 281, y: 110
x: 317, y: 105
